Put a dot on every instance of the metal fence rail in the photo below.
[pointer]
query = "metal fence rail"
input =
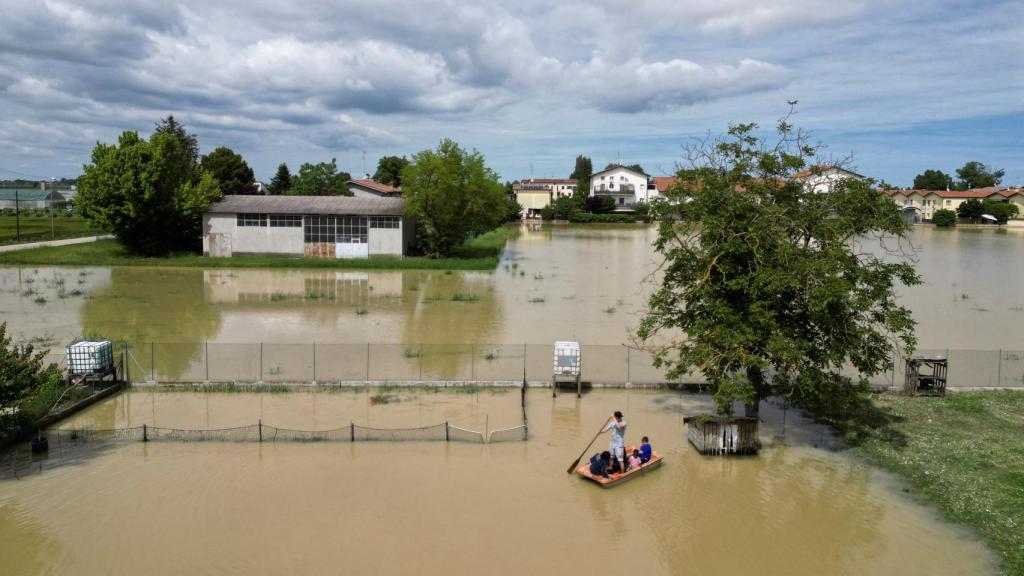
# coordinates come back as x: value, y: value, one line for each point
x: 206, y: 362
x: 260, y: 432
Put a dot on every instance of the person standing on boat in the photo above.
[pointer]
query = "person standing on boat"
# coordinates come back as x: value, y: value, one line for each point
x: 617, y: 445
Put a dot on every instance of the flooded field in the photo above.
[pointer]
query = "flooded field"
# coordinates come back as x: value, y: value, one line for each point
x: 554, y: 282
x: 454, y: 508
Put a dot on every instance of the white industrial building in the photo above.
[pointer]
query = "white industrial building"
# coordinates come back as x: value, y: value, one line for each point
x: 317, y: 226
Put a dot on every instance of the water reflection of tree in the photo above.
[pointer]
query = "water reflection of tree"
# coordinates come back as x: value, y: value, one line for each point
x: 453, y: 332
x: 162, y: 305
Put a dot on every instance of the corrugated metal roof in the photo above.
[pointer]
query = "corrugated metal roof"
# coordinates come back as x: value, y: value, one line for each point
x: 233, y: 204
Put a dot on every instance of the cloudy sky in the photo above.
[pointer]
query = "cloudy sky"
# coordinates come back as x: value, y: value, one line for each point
x: 902, y: 86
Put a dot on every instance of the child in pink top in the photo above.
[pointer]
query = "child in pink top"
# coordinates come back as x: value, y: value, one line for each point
x: 634, y: 459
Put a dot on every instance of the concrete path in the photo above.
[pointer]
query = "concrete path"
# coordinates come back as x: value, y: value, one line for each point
x: 64, y: 242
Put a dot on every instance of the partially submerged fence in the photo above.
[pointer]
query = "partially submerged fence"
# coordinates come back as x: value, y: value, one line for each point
x: 260, y: 432
x: 201, y: 362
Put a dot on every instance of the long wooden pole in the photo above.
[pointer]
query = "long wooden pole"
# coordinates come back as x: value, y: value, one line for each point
x: 576, y: 462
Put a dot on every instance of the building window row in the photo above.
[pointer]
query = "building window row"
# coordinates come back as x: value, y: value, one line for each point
x: 384, y: 222
x: 247, y: 219
x: 285, y: 221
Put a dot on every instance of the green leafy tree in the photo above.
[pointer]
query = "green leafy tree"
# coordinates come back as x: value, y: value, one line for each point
x: 977, y: 175
x: 765, y: 288
x: 452, y: 194
x: 515, y: 210
x: 932, y: 180
x: 564, y: 206
x: 970, y: 210
x: 944, y: 218
x: 322, y: 179
x: 389, y: 170
x: 230, y: 170
x: 147, y: 193
x: 599, y: 204
x: 282, y: 181
x: 1002, y: 211
x: 22, y: 376
x: 633, y: 167
x: 189, y: 142
x: 582, y: 172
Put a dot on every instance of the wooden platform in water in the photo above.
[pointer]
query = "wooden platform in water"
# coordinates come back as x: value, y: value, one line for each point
x: 616, y: 479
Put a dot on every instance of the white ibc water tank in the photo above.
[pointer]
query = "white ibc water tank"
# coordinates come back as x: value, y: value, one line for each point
x: 90, y: 356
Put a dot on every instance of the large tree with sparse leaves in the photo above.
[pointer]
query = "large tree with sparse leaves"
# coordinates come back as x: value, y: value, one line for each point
x: 769, y: 288
x: 451, y: 193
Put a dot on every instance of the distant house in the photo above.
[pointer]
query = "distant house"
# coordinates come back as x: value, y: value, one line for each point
x: 261, y: 188
x: 535, y: 194
x: 623, y: 185
x: 920, y: 205
x: 820, y: 179
x: 30, y: 198
x: 318, y: 226
x: 369, y: 188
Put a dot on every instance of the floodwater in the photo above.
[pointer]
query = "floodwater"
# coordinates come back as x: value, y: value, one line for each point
x: 453, y: 508
x: 554, y: 282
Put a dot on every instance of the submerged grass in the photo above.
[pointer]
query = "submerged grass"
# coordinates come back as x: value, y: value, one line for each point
x: 964, y: 452
x: 112, y: 253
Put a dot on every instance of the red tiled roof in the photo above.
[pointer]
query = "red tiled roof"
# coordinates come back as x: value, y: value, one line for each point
x: 663, y: 183
x: 374, y: 185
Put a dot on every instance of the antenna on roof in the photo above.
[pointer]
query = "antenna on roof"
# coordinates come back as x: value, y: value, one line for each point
x: 364, y: 161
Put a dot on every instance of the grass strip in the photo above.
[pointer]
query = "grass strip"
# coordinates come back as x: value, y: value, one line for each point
x: 964, y: 452
x: 112, y: 253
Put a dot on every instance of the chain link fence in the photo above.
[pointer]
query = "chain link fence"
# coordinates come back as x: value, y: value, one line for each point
x: 200, y: 362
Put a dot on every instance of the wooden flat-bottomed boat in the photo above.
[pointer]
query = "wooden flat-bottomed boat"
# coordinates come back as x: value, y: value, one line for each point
x: 616, y: 479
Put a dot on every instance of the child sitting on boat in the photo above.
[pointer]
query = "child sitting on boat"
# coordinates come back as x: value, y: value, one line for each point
x: 645, y: 450
x: 634, y: 460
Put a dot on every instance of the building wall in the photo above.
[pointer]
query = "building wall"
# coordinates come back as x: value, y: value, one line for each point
x: 533, y: 200
x: 360, y: 192
x: 252, y: 239
x: 385, y: 241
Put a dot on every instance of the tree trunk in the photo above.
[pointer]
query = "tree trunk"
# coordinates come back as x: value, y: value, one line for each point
x: 756, y: 377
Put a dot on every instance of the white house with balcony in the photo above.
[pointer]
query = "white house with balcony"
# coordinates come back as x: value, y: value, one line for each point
x: 625, y: 186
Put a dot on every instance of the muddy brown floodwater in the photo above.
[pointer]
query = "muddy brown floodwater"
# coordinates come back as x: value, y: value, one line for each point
x: 452, y: 508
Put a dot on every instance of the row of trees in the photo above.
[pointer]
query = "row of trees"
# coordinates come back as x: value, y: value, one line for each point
x: 320, y: 179
x: 972, y: 175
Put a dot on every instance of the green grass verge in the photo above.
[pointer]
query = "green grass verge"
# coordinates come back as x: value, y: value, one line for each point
x: 112, y: 253
x: 964, y: 452
x: 488, y: 245
x: 37, y: 228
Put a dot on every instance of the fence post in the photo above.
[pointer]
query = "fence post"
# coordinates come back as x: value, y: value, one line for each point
x: 260, y: 425
x: 145, y: 433
x: 446, y: 431
x: 352, y: 431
